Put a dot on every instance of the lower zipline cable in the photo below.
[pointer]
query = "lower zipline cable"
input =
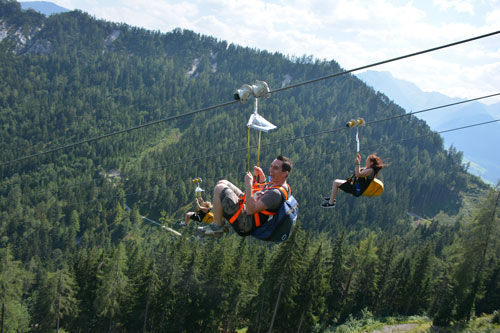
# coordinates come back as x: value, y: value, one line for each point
x: 300, y: 161
x: 305, y: 136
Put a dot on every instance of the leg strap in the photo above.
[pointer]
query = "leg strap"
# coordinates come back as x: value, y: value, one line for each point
x: 241, y: 204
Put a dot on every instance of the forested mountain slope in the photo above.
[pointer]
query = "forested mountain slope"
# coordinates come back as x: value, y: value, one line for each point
x: 96, y: 77
x: 70, y: 77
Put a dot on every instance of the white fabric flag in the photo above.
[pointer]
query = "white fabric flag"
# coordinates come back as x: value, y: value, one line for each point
x: 258, y: 122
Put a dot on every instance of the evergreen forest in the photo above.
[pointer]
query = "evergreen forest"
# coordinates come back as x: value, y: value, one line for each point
x: 77, y: 254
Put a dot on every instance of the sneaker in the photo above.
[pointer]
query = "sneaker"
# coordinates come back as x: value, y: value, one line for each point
x: 211, y: 230
x: 327, y: 204
x: 182, y: 224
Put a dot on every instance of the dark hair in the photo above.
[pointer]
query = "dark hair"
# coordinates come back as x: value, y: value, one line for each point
x: 376, y: 163
x: 287, y: 163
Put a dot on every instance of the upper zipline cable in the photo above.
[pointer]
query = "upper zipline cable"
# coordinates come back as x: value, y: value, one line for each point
x: 386, y: 61
x: 233, y: 102
x: 117, y: 132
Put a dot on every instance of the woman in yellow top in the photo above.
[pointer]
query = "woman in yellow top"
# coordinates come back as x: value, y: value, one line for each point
x: 203, y: 213
x: 363, y: 177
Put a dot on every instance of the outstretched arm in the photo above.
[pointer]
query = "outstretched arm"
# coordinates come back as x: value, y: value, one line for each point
x: 198, y: 204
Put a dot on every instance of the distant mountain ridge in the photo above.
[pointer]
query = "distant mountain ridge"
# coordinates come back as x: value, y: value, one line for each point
x: 476, y: 143
x: 45, y: 7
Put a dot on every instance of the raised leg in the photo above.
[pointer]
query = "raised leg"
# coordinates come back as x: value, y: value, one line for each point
x: 335, y: 189
x: 216, y: 203
x: 188, y: 217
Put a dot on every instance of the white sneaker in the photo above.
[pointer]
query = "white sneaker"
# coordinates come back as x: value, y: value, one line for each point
x: 211, y: 230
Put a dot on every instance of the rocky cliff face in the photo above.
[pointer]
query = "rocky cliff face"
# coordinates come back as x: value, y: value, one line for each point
x: 23, y: 38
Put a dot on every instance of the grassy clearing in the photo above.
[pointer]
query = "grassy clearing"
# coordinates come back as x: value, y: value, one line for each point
x: 414, y: 324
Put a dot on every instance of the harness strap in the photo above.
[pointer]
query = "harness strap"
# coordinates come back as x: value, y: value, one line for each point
x: 241, y: 203
x: 242, y: 200
x: 357, y: 187
x: 256, y: 218
x: 257, y: 187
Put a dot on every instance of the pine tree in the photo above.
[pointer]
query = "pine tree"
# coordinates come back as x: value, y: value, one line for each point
x: 420, y: 282
x: 445, y: 301
x: 74, y: 229
x: 113, y: 288
x: 282, y: 283
x: 338, y: 279
x: 491, y: 298
x: 385, y: 286
x: 14, y: 314
x: 213, y: 271
x: 240, y: 281
x: 365, y: 274
x: 477, y: 242
x: 87, y: 265
x: 150, y: 285
x: 311, y: 294
x: 55, y: 299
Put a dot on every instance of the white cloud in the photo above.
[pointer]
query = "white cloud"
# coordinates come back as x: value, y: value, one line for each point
x: 461, y: 6
x: 156, y: 16
x: 493, y: 18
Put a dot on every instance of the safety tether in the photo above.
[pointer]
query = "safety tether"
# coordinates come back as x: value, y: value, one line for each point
x: 358, y: 122
x: 198, y: 190
x: 257, y: 122
x: 357, y: 140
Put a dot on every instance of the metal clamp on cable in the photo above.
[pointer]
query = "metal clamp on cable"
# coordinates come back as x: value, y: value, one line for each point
x: 258, y: 89
x: 358, y: 122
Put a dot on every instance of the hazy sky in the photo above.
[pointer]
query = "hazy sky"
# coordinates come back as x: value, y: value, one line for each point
x: 352, y: 32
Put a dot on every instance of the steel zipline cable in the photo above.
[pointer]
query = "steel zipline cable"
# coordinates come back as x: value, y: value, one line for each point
x: 387, y: 61
x: 297, y: 162
x: 117, y: 132
x: 234, y: 101
x: 237, y: 150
